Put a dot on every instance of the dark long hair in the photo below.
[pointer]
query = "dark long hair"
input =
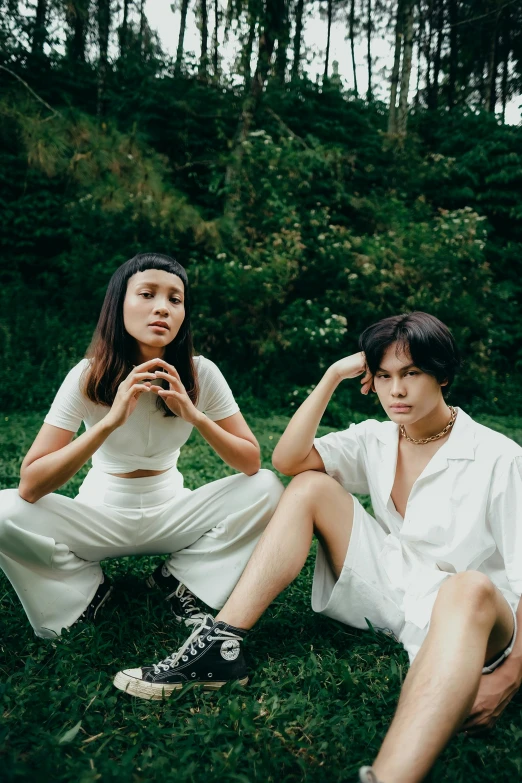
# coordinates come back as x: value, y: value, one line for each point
x: 428, y: 341
x: 112, y: 348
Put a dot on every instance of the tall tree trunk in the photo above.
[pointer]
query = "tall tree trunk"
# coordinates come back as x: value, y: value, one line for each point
x: 328, y: 34
x: 402, y: 114
x: 215, y: 40
x: 454, y: 54
x: 273, y: 14
x: 181, y: 37
x: 297, y: 39
x: 399, y: 34
x: 434, y: 93
x: 483, y: 91
x: 203, y: 62
x: 76, y: 14
x: 40, y: 28
x: 143, y: 22
x: 369, y: 91
x: 247, y: 51
x: 124, y: 30
x: 505, y: 68
x: 104, y: 22
x: 421, y: 32
x: 352, y: 46
x: 491, y: 81
x: 283, y: 40
x: 428, y: 51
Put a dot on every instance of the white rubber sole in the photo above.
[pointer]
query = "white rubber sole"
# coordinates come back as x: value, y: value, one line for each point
x: 154, y: 691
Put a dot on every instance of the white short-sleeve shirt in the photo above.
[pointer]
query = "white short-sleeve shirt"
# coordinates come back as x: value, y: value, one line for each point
x: 464, y: 511
x: 148, y: 440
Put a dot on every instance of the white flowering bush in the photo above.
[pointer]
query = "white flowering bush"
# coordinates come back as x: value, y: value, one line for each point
x: 315, y: 264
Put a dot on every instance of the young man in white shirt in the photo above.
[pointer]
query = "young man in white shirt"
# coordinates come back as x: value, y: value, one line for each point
x: 440, y: 565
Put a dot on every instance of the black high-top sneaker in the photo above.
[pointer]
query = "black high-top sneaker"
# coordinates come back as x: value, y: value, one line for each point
x: 367, y: 775
x: 102, y: 595
x: 210, y: 657
x: 182, y: 601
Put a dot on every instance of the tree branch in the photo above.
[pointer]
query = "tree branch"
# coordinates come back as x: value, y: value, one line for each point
x: 35, y: 95
x: 287, y: 129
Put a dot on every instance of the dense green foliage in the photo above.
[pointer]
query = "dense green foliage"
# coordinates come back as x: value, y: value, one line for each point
x: 335, y: 228
x: 320, y: 698
x: 302, y: 212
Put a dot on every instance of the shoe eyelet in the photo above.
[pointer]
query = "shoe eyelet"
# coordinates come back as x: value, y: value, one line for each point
x: 184, y: 658
x: 209, y: 674
x: 193, y: 674
x: 193, y: 652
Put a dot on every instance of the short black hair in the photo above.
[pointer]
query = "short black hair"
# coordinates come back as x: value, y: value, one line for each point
x: 428, y: 341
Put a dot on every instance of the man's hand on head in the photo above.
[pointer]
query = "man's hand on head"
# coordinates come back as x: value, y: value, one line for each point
x: 351, y: 367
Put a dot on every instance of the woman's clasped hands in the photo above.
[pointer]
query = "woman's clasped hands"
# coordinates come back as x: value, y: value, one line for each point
x: 175, y: 397
x: 141, y: 380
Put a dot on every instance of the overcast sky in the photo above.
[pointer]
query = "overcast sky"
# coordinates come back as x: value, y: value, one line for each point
x: 166, y: 23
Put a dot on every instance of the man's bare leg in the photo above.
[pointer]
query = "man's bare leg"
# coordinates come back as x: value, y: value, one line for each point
x: 312, y: 501
x: 471, y: 623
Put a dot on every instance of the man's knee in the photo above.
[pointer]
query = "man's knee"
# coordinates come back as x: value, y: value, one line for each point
x: 311, y: 486
x: 469, y: 590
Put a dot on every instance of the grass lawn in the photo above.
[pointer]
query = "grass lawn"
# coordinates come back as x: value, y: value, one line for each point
x: 317, y: 706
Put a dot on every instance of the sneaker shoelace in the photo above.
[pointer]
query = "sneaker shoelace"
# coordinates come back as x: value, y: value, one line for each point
x: 189, y: 646
x: 188, y: 602
x: 195, y: 638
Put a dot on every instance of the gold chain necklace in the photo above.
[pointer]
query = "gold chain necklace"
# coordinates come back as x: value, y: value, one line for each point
x: 441, y: 434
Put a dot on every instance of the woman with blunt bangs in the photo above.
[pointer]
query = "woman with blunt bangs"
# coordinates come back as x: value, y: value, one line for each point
x: 139, y: 392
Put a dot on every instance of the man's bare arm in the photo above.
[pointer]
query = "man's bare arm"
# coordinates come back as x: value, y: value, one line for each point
x: 295, y: 451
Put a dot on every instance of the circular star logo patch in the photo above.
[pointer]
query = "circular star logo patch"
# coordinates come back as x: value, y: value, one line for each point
x: 230, y: 650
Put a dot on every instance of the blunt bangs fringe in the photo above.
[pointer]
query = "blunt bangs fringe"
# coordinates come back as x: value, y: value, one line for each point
x: 112, y: 349
x: 428, y: 341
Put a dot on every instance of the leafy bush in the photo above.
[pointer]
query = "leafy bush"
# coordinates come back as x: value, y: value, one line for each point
x: 336, y: 228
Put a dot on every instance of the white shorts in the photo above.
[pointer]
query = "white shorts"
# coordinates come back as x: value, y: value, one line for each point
x: 364, y: 593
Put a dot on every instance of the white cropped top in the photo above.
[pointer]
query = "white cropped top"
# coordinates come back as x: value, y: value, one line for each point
x: 148, y: 440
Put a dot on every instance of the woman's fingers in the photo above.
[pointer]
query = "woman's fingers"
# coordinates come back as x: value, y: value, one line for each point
x: 172, y: 393
x: 170, y: 377
x: 154, y: 363
x: 140, y: 376
x: 169, y: 369
x: 137, y: 387
x: 146, y: 365
x: 133, y: 378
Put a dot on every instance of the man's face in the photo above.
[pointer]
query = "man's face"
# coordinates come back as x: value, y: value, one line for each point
x: 406, y: 393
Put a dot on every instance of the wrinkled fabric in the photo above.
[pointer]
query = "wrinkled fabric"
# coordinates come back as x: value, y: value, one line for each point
x: 50, y: 550
x: 148, y: 440
x: 464, y: 511
x: 365, y: 594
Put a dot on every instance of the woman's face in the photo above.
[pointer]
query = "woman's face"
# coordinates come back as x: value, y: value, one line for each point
x: 154, y: 308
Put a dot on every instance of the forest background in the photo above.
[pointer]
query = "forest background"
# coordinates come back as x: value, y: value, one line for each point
x: 303, y: 209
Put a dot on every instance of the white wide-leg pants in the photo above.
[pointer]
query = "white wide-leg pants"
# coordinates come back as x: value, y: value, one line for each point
x: 50, y: 550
